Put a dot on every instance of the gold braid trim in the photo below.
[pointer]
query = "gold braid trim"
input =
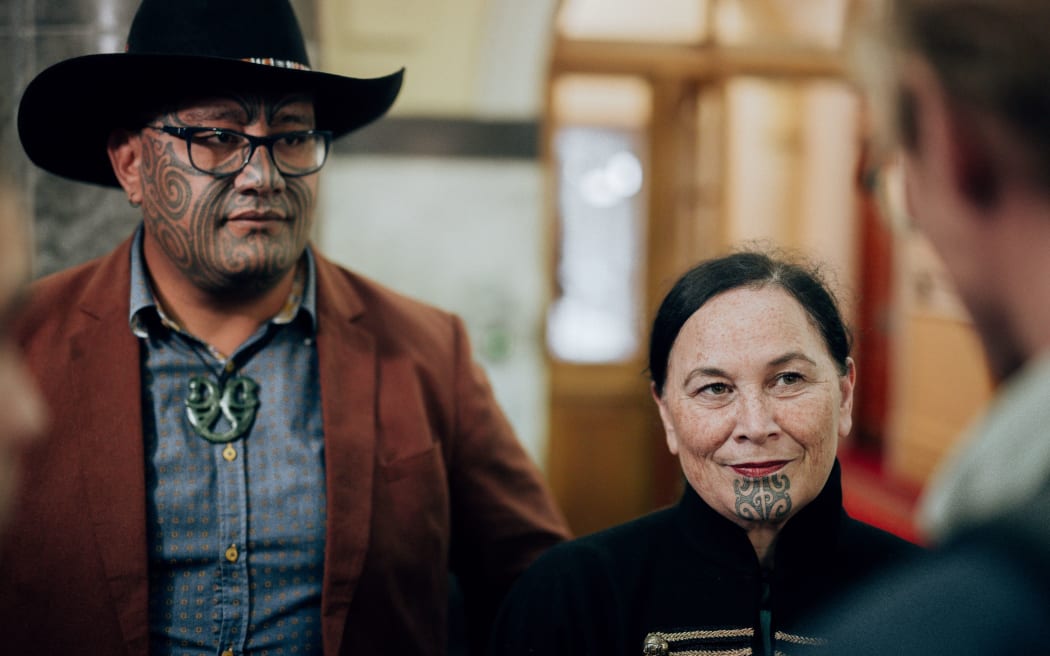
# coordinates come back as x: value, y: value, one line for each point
x: 800, y: 640
x: 717, y: 633
x: 705, y: 652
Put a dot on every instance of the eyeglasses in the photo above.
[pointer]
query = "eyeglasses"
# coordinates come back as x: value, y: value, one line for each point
x: 222, y: 153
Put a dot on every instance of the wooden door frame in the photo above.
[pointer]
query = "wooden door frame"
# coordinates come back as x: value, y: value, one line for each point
x: 675, y: 239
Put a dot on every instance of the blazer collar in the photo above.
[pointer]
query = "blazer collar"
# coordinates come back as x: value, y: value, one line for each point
x: 348, y: 363
x: 103, y: 360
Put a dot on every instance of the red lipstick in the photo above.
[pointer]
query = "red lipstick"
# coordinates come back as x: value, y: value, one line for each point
x: 759, y: 469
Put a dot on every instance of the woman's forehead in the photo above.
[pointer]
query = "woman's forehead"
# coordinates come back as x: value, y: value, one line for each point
x: 751, y: 321
x: 748, y: 307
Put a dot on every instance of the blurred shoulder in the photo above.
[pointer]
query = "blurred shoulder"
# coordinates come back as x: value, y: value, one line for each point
x: 871, y: 545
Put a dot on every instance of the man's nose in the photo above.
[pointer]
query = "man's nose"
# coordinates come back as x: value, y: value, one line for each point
x: 261, y: 171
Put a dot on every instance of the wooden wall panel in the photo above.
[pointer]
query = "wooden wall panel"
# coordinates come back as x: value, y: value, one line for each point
x: 605, y: 434
x: 941, y: 381
x: 942, y: 388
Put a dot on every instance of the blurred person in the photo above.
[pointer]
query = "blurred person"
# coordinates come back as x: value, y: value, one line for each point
x: 750, y: 367
x: 971, y: 94
x: 22, y: 413
x: 253, y: 449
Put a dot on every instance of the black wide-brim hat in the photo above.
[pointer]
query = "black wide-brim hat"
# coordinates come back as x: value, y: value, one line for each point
x: 178, y: 50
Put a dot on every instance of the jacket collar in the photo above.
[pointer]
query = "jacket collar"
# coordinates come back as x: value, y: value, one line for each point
x: 805, y: 539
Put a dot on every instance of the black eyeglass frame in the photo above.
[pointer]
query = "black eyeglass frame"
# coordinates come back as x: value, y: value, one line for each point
x: 187, y: 134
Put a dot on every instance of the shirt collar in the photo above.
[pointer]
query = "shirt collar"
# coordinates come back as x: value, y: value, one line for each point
x: 144, y: 308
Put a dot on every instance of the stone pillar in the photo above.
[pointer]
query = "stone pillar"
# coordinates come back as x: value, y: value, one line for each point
x: 74, y: 222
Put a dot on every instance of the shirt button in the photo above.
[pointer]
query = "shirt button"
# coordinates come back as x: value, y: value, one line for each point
x: 231, y: 555
x: 229, y: 453
x: 227, y: 652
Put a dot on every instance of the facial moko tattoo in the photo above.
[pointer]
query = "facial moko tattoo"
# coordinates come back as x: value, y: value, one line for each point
x: 764, y: 499
x: 189, y: 212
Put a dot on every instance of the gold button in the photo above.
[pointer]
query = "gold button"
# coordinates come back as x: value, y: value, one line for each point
x: 229, y: 368
x: 655, y: 645
x: 228, y: 652
x: 231, y: 555
x: 229, y: 453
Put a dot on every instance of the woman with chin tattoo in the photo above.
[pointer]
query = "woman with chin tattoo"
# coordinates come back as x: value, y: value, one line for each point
x: 750, y: 367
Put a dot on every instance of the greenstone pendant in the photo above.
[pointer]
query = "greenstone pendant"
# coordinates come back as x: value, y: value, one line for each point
x: 238, y: 401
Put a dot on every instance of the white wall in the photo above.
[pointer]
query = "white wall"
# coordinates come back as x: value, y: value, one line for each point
x: 466, y: 235
x: 463, y: 58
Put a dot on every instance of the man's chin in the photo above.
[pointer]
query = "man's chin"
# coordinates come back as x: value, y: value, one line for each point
x: 246, y: 282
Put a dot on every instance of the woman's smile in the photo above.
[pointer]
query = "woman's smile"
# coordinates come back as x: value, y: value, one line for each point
x: 759, y: 469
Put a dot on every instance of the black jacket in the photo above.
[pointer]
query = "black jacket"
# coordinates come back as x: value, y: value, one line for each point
x: 692, y: 576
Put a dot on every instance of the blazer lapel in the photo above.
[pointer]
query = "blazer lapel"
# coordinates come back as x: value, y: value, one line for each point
x: 104, y: 366
x: 347, y: 361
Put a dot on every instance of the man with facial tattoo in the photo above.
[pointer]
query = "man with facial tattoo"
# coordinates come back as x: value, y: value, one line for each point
x: 253, y: 450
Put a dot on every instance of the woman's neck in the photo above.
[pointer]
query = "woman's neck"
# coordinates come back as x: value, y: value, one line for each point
x: 764, y: 540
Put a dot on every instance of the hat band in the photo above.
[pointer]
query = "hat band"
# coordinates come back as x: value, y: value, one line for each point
x: 278, y: 63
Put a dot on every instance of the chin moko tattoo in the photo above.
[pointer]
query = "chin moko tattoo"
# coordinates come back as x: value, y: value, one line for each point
x: 764, y: 499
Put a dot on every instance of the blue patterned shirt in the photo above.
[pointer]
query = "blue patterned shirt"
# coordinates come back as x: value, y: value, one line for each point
x: 235, y: 530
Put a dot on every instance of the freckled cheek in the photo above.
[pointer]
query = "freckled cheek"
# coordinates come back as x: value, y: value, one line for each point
x: 809, y: 422
x: 703, y: 434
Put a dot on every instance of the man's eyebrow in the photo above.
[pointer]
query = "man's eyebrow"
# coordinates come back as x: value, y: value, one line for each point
x: 213, y: 114
x: 292, y: 112
x: 283, y: 117
x: 206, y: 117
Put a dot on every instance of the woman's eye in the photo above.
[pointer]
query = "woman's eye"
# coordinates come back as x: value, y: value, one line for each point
x: 789, y: 378
x: 715, y: 389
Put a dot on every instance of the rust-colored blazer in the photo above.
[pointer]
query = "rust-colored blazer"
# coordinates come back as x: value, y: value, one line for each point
x: 424, y: 475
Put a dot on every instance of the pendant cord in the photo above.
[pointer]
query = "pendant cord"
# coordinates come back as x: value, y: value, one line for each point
x: 234, y: 397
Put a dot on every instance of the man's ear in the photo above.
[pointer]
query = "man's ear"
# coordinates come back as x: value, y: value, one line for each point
x: 972, y: 158
x: 125, y: 154
x: 934, y: 125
